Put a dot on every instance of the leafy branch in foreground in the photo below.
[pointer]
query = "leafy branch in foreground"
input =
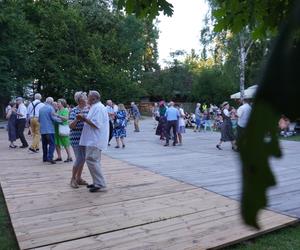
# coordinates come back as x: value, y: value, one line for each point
x: 146, y: 8
x: 278, y: 94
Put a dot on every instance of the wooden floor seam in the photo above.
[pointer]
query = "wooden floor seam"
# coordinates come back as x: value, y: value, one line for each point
x: 141, y: 210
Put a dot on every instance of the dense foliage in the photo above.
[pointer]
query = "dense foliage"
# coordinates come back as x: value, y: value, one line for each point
x: 57, y: 47
x: 262, y: 17
x: 191, y: 79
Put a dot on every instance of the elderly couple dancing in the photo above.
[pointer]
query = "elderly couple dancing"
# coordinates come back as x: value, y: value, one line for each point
x: 89, y: 136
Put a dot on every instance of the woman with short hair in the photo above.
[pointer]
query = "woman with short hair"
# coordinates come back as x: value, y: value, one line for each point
x: 62, y: 141
x: 76, y: 127
x: 120, y: 124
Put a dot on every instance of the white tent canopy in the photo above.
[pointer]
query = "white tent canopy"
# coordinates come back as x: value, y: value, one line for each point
x: 248, y: 94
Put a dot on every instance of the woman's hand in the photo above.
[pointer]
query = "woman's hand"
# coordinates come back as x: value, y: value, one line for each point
x: 80, y: 117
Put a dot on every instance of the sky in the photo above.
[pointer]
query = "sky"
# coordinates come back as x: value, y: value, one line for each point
x: 182, y: 30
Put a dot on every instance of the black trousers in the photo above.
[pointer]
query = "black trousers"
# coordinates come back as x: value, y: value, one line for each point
x: 171, y: 125
x: 111, y: 130
x: 240, y: 132
x: 21, y: 123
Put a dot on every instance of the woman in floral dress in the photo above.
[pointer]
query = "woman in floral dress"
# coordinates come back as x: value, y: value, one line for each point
x: 120, y: 124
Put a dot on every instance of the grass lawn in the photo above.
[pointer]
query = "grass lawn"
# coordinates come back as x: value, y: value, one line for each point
x: 7, y: 236
x: 284, y: 239
x: 292, y: 138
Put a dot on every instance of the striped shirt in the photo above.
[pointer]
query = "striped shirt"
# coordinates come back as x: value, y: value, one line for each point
x: 75, y: 133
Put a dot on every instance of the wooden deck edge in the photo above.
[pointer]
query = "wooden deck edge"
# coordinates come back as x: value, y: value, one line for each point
x: 8, y: 214
x: 258, y: 234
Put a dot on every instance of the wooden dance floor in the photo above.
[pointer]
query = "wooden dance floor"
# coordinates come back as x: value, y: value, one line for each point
x: 141, y: 210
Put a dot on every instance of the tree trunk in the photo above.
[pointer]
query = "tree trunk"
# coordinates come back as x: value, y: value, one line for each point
x: 242, y: 67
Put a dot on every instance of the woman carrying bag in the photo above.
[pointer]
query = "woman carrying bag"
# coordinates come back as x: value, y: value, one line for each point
x: 62, y: 131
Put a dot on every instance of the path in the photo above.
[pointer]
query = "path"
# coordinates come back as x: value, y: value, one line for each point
x: 141, y: 210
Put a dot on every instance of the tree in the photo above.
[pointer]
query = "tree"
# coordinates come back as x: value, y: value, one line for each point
x: 261, y: 17
x: 245, y: 44
x: 16, y: 47
x: 58, y: 47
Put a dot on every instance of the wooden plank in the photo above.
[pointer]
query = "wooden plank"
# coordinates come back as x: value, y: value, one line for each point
x: 186, y: 232
x: 141, y: 210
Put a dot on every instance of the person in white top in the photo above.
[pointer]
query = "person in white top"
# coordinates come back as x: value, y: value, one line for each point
x: 243, y: 114
x: 94, y: 137
x: 33, y: 113
x: 111, y: 113
x: 181, y: 124
x: 21, y: 121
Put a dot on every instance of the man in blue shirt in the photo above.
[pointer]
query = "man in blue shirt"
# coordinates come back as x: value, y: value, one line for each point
x: 46, y: 119
x: 172, y: 115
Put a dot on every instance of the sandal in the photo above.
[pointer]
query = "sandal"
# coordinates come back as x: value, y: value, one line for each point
x: 117, y: 146
x: 58, y: 159
x: 73, y: 183
x: 82, y: 182
x: 218, y: 147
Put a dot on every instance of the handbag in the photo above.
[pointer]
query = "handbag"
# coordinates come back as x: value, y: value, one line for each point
x: 63, y: 130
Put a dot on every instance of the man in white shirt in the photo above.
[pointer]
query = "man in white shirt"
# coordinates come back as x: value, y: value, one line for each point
x: 21, y: 121
x: 111, y: 113
x: 94, y: 137
x: 33, y: 111
x: 243, y: 114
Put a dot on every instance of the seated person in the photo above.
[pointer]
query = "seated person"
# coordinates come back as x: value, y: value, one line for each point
x: 284, y: 124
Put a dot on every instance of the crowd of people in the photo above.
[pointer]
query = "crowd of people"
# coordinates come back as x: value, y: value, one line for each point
x: 88, y: 128
x: 171, y: 116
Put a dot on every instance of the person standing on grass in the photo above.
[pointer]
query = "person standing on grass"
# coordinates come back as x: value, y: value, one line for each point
x: 198, y: 118
x: 111, y: 114
x: 47, y: 118
x: 94, y: 137
x: 21, y: 121
x: 136, y: 116
x: 76, y: 127
x: 172, y: 115
x: 33, y: 113
x: 62, y: 141
x: 120, y: 125
x: 181, y: 124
